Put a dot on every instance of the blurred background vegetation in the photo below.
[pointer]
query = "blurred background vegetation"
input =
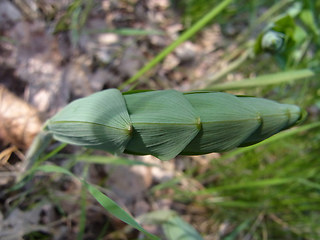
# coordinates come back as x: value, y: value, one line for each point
x: 267, y: 191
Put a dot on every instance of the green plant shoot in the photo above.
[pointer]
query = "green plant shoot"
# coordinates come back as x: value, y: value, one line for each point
x: 168, y: 123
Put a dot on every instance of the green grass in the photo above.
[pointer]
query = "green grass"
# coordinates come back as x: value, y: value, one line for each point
x: 278, y: 179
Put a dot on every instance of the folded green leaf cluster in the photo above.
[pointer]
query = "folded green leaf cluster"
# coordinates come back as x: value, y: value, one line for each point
x: 168, y: 123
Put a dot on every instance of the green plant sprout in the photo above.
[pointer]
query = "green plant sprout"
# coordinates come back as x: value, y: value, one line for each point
x: 167, y: 123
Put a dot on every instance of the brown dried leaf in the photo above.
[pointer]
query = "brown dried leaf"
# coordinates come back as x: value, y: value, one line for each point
x: 19, y: 121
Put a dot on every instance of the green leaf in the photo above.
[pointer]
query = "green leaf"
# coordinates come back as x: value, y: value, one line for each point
x: 54, y: 169
x: 164, y: 123
x: 99, y: 121
x: 274, y: 117
x: 226, y: 122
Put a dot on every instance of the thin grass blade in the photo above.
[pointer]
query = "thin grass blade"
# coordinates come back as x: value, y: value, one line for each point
x: 269, y: 79
x: 106, y: 202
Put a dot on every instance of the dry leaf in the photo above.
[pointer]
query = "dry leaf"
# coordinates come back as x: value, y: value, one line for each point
x: 19, y: 121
